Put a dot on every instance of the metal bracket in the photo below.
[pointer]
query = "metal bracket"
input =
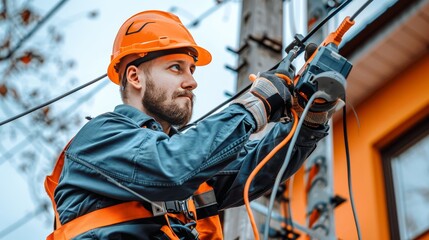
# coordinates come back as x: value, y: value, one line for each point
x: 242, y: 65
x: 268, y: 43
x: 337, y: 200
x: 240, y: 50
x: 275, y: 216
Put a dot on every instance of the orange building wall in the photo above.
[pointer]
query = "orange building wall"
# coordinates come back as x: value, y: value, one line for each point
x: 383, y: 116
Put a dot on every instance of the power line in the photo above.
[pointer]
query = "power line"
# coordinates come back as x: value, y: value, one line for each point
x: 30, y: 33
x: 194, y: 23
x: 73, y: 107
x: 53, y: 100
x: 21, y: 126
x: 205, y: 14
x: 9, y: 154
x: 18, y: 146
x: 40, y: 209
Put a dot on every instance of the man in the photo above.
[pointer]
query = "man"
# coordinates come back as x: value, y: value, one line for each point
x: 128, y: 174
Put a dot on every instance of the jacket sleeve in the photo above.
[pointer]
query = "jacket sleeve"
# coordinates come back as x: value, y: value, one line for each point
x: 150, y: 162
x: 229, y: 183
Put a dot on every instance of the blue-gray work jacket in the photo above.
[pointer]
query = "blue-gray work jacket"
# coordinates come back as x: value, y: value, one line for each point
x: 131, y: 147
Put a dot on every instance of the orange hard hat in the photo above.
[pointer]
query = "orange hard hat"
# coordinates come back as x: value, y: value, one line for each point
x: 152, y: 31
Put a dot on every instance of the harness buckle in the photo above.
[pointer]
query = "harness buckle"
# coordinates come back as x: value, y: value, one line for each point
x: 175, y: 206
x: 159, y: 209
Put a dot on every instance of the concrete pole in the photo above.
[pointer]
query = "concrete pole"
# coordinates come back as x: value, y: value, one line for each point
x: 260, y: 48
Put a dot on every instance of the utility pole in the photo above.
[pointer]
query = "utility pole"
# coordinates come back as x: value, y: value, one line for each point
x: 319, y: 166
x: 260, y: 48
x: 260, y: 43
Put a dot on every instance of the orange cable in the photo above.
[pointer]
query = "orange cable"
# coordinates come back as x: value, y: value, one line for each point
x: 259, y: 167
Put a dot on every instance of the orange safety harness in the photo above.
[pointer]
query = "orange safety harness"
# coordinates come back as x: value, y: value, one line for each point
x: 203, y: 202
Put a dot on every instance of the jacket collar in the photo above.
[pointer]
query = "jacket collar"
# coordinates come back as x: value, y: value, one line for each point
x: 136, y: 115
x: 141, y: 118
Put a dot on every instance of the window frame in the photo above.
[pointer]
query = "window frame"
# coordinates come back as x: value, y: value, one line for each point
x: 402, y: 143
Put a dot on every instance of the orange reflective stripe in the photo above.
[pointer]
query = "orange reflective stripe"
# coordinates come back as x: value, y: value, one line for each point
x: 203, y: 188
x: 209, y: 227
x: 99, y: 218
x: 166, y: 229
x: 103, y: 217
x: 51, y: 182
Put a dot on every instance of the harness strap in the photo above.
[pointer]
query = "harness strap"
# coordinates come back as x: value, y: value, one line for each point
x: 100, y: 218
x: 52, y: 180
x: 203, y: 201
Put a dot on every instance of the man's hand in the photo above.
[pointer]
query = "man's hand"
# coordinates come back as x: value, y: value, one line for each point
x: 280, y: 99
x: 268, y: 97
x: 319, y: 113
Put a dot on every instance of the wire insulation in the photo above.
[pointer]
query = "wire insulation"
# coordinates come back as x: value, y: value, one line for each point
x: 326, y: 19
x: 349, y: 173
x: 286, y: 163
x: 52, y: 100
x: 258, y: 168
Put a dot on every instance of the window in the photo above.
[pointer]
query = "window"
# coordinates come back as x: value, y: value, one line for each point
x: 406, y: 170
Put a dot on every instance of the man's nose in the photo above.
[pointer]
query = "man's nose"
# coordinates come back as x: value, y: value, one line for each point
x: 189, y: 82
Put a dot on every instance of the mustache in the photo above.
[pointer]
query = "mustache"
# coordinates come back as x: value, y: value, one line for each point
x: 184, y: 93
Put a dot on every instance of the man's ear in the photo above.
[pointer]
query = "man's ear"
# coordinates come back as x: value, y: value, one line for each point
x: 133, y: 77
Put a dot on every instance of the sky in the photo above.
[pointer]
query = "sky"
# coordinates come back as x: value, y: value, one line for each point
x: 89, y: 43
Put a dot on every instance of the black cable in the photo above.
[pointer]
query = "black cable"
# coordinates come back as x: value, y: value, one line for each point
x: 29, y: 34
x: 204, y: 15
x: 349, y: 174
x: 9, y: 154
x: 360, y: 10
x: 327, y: 18
x: 52, y: 100
x: 194, y: 23
x: 215, y: 109
x: 24, y: 129
x: 205, y: 115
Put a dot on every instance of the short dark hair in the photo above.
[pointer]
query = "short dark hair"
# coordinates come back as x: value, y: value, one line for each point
x: 123, y: 81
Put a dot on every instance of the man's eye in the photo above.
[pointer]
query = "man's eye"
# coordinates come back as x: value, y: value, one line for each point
x: 176, y: 67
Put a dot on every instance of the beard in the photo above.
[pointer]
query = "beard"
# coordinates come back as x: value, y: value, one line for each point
x: 155, y: 101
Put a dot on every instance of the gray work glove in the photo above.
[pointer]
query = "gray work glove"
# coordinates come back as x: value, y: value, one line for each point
x: 268, y: 97
x: 320, y: 112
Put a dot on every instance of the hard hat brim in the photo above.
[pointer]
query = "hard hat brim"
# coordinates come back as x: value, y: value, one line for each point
x: 204, y: 58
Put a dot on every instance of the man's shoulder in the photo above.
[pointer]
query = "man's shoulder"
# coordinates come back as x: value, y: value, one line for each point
x: 108, y: 121
x: 109, y: 125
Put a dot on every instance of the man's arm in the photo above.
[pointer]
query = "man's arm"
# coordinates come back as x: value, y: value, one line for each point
x: 150, y: 162
x: 165, y: 168
x: 229, y: 183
